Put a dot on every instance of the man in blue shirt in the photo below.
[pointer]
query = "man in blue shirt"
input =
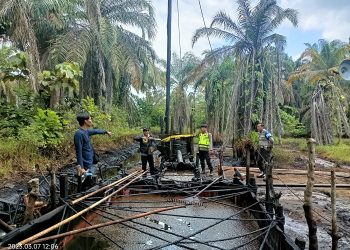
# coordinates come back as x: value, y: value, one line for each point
x: 83, y: 147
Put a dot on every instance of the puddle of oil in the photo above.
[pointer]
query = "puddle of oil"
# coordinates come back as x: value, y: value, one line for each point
x: 87, y: 243
x: 133, y: 239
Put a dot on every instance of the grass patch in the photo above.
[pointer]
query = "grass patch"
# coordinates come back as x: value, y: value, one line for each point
x: 295, y: 143
x: 338, y: 153
x: 16, y: 155
x: 283, y: 156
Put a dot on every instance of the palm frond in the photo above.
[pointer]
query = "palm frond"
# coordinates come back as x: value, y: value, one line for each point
x: 227, y: 36
x: 222, y: 19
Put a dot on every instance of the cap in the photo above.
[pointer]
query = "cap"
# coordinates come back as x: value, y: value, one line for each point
x: 204, y: 126
x: 145, y: 129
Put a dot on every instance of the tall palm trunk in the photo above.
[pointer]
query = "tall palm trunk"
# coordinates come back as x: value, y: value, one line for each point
x: 251, y: 100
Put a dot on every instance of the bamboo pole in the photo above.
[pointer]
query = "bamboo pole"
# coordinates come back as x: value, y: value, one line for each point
x: 105, y: 187
x: 313, y: 243
x: 106, y: 224
x: 334, y: 232
x: 69, y: 219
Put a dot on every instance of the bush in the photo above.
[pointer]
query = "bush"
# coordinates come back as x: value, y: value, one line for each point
x: 46, y: 131
x: 292, y: 126
x: 100, y: 118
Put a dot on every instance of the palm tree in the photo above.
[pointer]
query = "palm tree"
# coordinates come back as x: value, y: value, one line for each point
x: 97, y: 40
x: 325, y: 110
x: 249, y: 38
x: 89, y: 32
x: 22, y: 32
x: 181, y: 103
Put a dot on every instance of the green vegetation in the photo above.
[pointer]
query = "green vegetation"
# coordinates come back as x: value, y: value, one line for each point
x: 338, y: 153
x: 290, y: 146
x: 283, y: 157
x: 64, y: 57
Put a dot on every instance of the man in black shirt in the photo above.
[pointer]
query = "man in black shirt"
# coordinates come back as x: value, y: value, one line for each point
x: 147, y: 147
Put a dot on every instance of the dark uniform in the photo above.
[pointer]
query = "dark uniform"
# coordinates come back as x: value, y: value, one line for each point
x: 146, y: 149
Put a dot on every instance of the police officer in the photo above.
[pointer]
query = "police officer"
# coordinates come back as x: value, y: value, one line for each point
x: 204, y: 147
x: 147, y: 146
x: 265, y: 147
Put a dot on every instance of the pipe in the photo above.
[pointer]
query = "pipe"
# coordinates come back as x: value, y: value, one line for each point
x: 179, y: 156
x: 168, y: 68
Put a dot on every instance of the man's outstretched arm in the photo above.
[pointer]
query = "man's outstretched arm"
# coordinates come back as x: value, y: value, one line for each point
x: 98, y: 132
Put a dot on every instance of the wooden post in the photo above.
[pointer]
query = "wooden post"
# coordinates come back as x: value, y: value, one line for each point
x: 313, y: 243
x: 53, y: 194
x: 334, y: 232
x: 80, y: 183
x: 221, y: 162
x: 270, y: 192
x: 32, y: 198
x: 280, y: 217
x: 247, y: 168
x: 64, y: 186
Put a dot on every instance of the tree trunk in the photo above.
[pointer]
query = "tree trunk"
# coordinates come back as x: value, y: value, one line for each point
x: 251, y: 100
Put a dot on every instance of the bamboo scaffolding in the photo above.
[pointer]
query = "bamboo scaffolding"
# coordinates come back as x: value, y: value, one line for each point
x: 105, y: 187
x: 56, y: 226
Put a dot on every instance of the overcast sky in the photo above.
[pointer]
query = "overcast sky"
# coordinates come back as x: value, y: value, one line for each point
x: 329, y: 19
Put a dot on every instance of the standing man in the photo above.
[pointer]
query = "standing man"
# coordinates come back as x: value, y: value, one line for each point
x: 147, y: 148
x: 205, y: 146
x: 265, y: 147
x: 83, y: 147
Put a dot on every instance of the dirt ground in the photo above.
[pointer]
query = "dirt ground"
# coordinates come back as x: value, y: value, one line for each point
x: 292, y: 198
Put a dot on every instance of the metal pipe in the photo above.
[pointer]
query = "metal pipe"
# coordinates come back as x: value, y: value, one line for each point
x: 168, y: 68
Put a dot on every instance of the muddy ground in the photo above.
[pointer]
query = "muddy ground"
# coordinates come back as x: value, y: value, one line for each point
x: 292, y: 198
